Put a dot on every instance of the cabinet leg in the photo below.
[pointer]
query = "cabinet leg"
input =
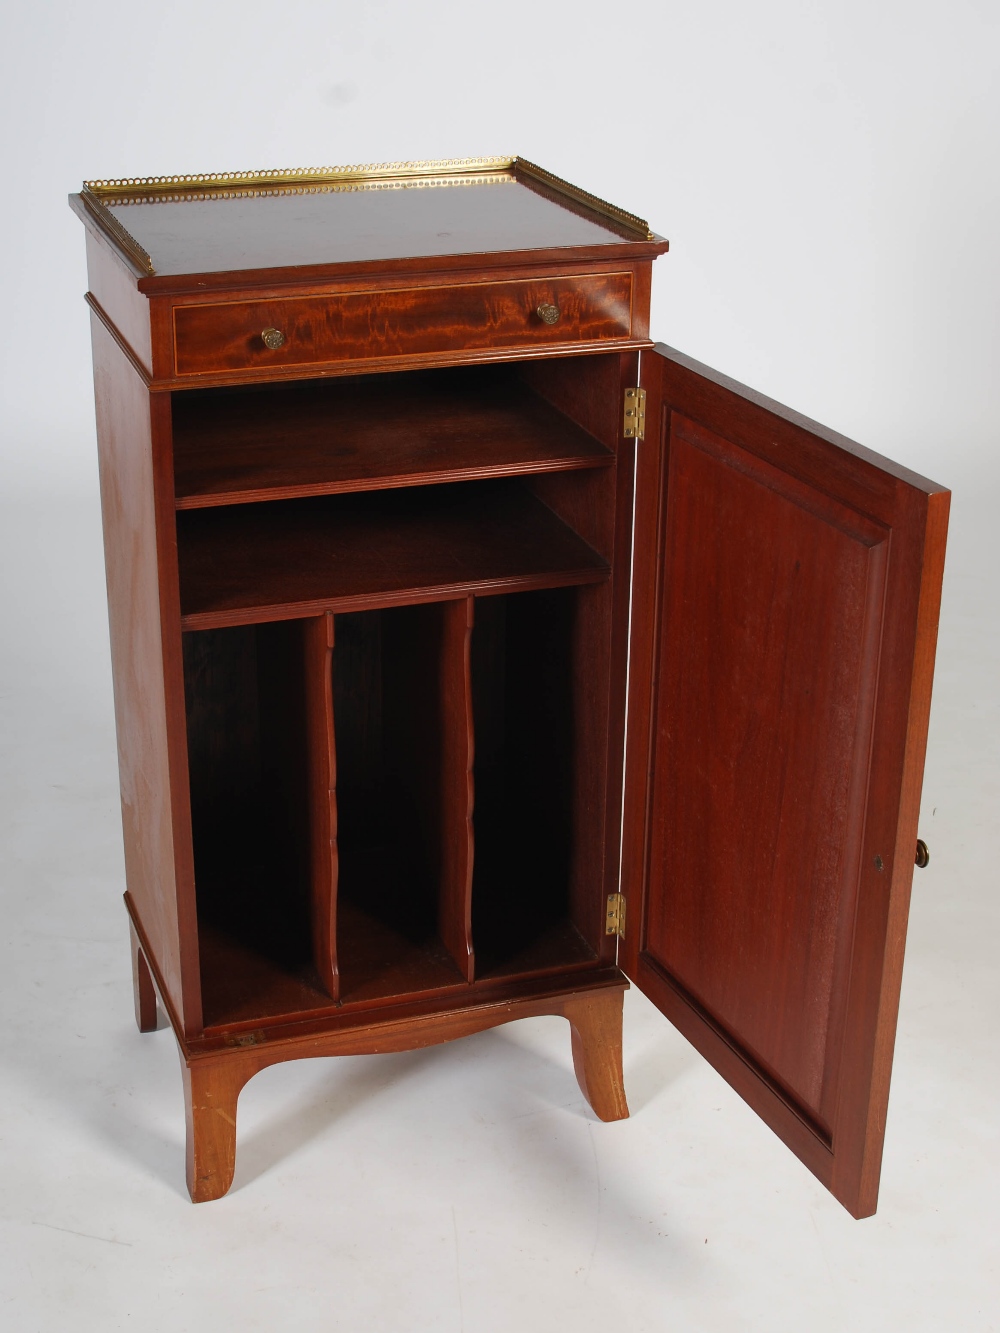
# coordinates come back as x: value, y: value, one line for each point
x: 211, y: 1090
x: 596, y: 1024
x: 143, y: 991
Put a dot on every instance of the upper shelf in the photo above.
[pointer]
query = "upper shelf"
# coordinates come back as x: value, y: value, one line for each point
x: 233, y: 446
x: 263, y: 220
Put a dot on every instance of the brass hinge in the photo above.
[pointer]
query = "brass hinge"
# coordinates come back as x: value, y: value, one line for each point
x: 635, y: 414
x: 615, y: 920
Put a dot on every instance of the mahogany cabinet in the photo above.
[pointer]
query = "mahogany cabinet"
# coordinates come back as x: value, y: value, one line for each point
x: 416, y: 544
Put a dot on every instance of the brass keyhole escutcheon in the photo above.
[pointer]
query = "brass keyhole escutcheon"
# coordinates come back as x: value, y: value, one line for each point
x: 548, y: 314
x: 272, y: 339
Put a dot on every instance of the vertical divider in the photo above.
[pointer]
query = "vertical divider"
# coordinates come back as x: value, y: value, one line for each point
x: 323, y: 857
x: 457, y: 784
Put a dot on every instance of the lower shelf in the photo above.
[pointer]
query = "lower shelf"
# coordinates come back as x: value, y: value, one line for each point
x: 241, y: 984
x: 244, y: 986
x: 556, y: 946
x: 378, y: 960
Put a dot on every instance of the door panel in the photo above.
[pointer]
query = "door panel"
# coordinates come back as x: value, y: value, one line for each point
x: 768, y: 650
x: 784, y: 614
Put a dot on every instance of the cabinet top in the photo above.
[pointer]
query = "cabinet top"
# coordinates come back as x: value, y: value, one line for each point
x: 263, y: 220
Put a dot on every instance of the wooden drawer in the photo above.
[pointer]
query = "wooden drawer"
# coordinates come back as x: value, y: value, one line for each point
x: 406, y: 322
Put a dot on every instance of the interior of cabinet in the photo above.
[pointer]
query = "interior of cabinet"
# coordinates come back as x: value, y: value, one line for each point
x: 404, y: 753
x: 247, y: 730
x: 397, y: 748
x: 319, y: 437
x: 528, y: 741
x: 248, y: 563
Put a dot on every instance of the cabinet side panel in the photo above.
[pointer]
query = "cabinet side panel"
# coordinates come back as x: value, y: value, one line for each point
x: 589, y: 390
x: 140, y: 556
x: 589, y: 507
x: 114, y: 288
x: 586, y: 389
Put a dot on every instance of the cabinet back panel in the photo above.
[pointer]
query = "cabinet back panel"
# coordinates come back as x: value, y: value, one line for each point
x: 587, y: 390
x: 527, y: 721
x: 391, y: 786
x: 248, y: 771
x: 388, y: 728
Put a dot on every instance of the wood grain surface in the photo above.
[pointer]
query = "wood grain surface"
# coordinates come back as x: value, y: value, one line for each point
x: 213, y: 1078
x: 351, y: 326
x: 233, y: 446
x: 786, y: 584
x: 398, y: 714
x: 252, y: 563
x: 143, y: 990
x: 133, y: 436
x: 295, y: 228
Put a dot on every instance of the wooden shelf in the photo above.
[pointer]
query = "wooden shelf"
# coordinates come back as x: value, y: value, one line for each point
x: 379, y: 962
x: 378, y: 431
x: 244, y: 986
x: 558, y: 947
x: 253, y: 563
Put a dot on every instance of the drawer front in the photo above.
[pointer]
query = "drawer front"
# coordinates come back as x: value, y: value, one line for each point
x: 408, y: 322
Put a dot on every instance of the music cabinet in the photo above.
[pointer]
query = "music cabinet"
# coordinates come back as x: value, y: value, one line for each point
x: 472, y: 654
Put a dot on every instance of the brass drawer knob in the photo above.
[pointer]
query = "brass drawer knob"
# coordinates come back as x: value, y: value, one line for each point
x: 548, y: 314
x: 273, y: 338
x: 923, y: 856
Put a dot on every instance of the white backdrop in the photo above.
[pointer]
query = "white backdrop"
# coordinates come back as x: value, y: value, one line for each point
x: 827, y: 174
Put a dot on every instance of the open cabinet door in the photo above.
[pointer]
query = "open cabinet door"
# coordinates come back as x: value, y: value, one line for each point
x: 785, y: 604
